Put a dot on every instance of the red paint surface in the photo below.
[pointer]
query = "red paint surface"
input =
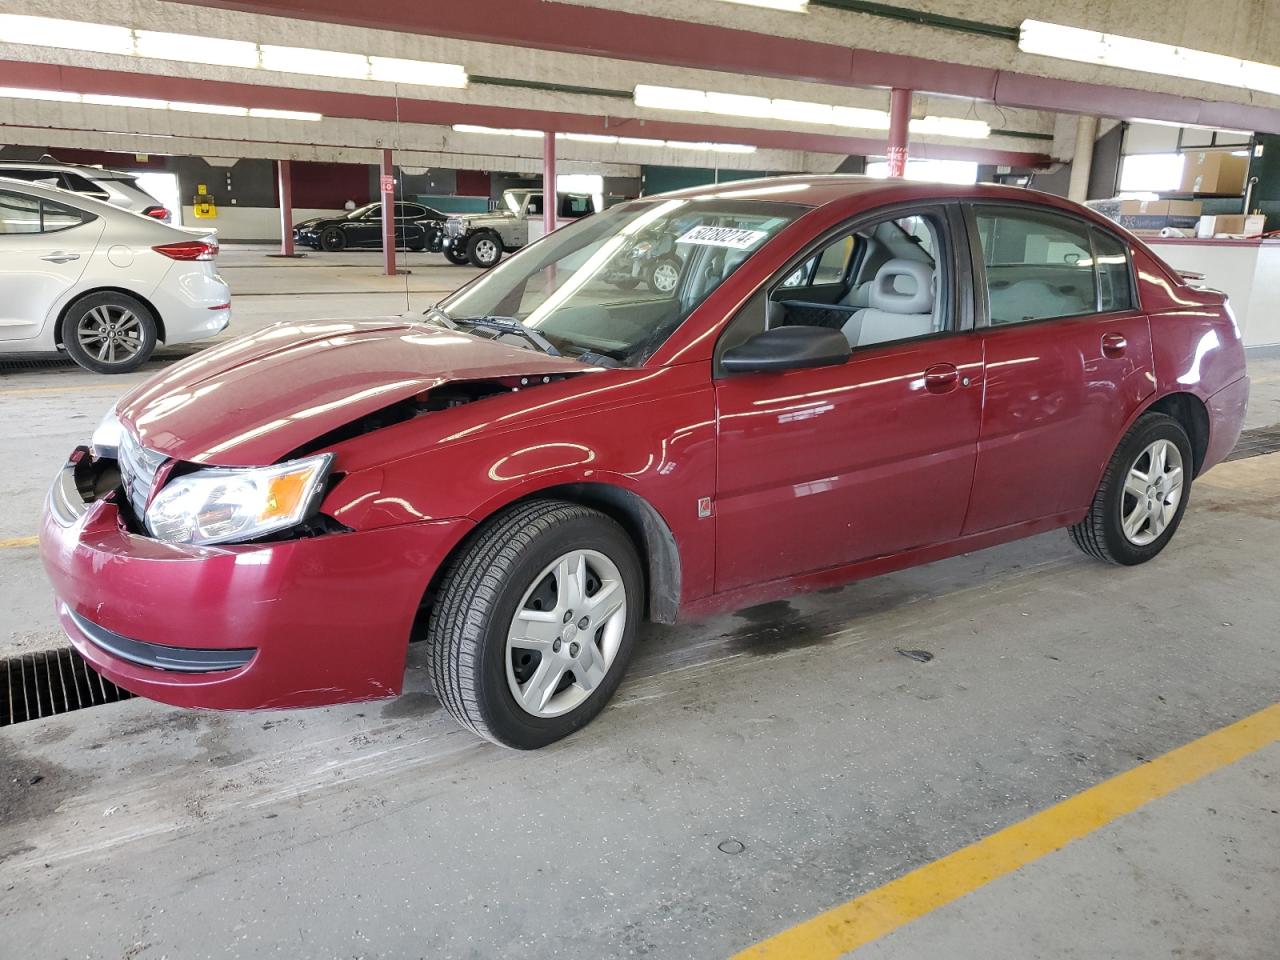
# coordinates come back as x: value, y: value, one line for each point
x: 899, y: 131
x: 284, y: 182
x: 817, y: 476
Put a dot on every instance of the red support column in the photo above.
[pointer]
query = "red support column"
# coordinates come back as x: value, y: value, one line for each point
x: 899, y: 131
x: 550, y: 202
x: 387, y: 189
x: 286, y: 208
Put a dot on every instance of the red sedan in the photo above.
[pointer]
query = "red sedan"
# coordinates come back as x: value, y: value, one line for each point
x: 843, y: 377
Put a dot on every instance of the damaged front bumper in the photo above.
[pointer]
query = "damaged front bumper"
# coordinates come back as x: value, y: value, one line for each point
x: 288, y: 623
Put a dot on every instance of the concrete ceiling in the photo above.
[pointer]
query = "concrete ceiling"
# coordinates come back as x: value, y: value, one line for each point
x: 571, y: 65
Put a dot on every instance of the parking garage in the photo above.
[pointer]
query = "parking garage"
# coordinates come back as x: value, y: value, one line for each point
x: 742, y: 478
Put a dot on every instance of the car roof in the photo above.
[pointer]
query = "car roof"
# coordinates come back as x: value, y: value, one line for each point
x: 69, y: 197
x: 54, y: 165
x: 817, y: 190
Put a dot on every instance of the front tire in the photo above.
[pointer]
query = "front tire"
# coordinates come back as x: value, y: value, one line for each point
x: 484, y: 250
x: 535, y: 623
x: 1142, y: 496
x: 333, y: 240
x: 456, y: 256
x: 109, y: 332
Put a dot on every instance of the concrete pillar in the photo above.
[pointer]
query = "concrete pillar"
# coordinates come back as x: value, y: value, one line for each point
x: 549, y: 199
x: 1082, y: 164
x: 286, y: 208
x: 899, y: 131
x: 387, y: 189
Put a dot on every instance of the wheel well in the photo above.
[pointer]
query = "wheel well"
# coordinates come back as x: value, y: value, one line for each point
x: 654, y: 542
x: 1188, y: 410
x: 62, y: 314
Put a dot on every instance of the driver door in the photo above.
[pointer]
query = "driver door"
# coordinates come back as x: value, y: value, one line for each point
x: 823, y: 467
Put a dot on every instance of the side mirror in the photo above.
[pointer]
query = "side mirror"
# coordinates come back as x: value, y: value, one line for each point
x: 787, y: 348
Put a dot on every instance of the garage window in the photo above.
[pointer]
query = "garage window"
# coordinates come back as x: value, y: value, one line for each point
x: 1041, y: 265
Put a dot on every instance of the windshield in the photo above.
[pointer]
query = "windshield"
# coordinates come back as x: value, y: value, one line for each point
x: 617, y: 284
x: 368, y: 209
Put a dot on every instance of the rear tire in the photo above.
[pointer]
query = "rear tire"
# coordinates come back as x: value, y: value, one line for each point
x: 505, y: 660
x: 1142, y: 496
x: 109, y: 332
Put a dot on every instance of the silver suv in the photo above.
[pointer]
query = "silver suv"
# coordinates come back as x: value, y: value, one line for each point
x: 110, y: 186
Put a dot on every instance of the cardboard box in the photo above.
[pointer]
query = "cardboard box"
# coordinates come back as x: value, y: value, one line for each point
x: 1214, y: 171
x: 1158, y: 214
x: 1231, y: 226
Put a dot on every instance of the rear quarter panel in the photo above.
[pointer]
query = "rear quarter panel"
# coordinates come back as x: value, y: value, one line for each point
x: 1196, y: 349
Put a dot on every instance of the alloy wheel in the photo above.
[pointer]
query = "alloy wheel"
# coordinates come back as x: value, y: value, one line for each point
x: 665, y: 277
x: 566, y: 633
x: 1152, y: 491
x: 486, y: 251
x: 110, y: 334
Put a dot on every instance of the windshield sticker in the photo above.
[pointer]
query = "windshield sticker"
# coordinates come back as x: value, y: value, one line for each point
x: 733, y: 237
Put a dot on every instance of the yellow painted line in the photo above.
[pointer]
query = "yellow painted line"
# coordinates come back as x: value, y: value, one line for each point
x: 79, y: 388
x: 19, y: 542
x: 897, y: 903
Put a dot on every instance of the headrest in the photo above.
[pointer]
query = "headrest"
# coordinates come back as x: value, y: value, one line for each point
x: 903, y: 286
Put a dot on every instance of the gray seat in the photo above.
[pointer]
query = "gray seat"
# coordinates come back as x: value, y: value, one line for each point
x: 1030, y: 300
x: 902, y: 301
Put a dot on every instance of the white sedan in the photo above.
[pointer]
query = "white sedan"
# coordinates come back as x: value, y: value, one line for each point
x: 102, y: 283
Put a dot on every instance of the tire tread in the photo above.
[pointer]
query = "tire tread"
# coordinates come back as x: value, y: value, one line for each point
x: 470, y: 590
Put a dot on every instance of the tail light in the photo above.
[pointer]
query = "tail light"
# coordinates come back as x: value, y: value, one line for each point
x: 205, y: 249
x: 159, y: 213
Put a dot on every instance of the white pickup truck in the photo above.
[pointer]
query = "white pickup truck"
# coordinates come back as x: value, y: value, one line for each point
x: 480, y: 239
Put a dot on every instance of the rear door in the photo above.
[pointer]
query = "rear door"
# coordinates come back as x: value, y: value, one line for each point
x: 1067, y: 354
x: 44, y: 249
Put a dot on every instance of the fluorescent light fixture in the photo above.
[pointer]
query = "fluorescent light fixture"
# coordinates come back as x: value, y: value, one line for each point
x: 215, y: 108
x: 495, y: 131
x: 422, y: 72
x: 1146, y: 56
x: 220, y: 51
x: 739, y: 105
x: 587, y: 137
x: 711, y: 147
x: 266, y: 113
x: 605, y: 138
x: 107, y: 100
x: 65, y: 34
x: 952, y: 127
x: 145, y: 103
x: 860, y: 118
x: 23, y: 93
x: 319, y: 63
x: 798, y: 111
x: 216, y: 51
x: 787, y: 6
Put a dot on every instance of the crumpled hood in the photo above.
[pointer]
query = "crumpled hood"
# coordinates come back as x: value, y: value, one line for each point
x: 252, y: 400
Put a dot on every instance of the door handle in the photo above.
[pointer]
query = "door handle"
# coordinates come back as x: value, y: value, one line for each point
x: 59, y: 257
x: 1114, y: 344
x: 941, y: 378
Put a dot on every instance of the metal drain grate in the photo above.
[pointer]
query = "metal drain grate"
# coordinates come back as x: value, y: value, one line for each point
x: 1257, y: 442
x: 45, y: 684
x: 53, y: 361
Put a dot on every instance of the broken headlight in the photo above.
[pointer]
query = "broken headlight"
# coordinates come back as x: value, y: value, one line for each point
x: 223, y: 504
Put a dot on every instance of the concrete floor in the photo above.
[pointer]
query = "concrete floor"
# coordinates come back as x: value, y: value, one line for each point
x: 796, y: 729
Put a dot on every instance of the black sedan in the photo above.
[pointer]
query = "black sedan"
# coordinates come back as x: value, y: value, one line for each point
x: 417, y: 227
